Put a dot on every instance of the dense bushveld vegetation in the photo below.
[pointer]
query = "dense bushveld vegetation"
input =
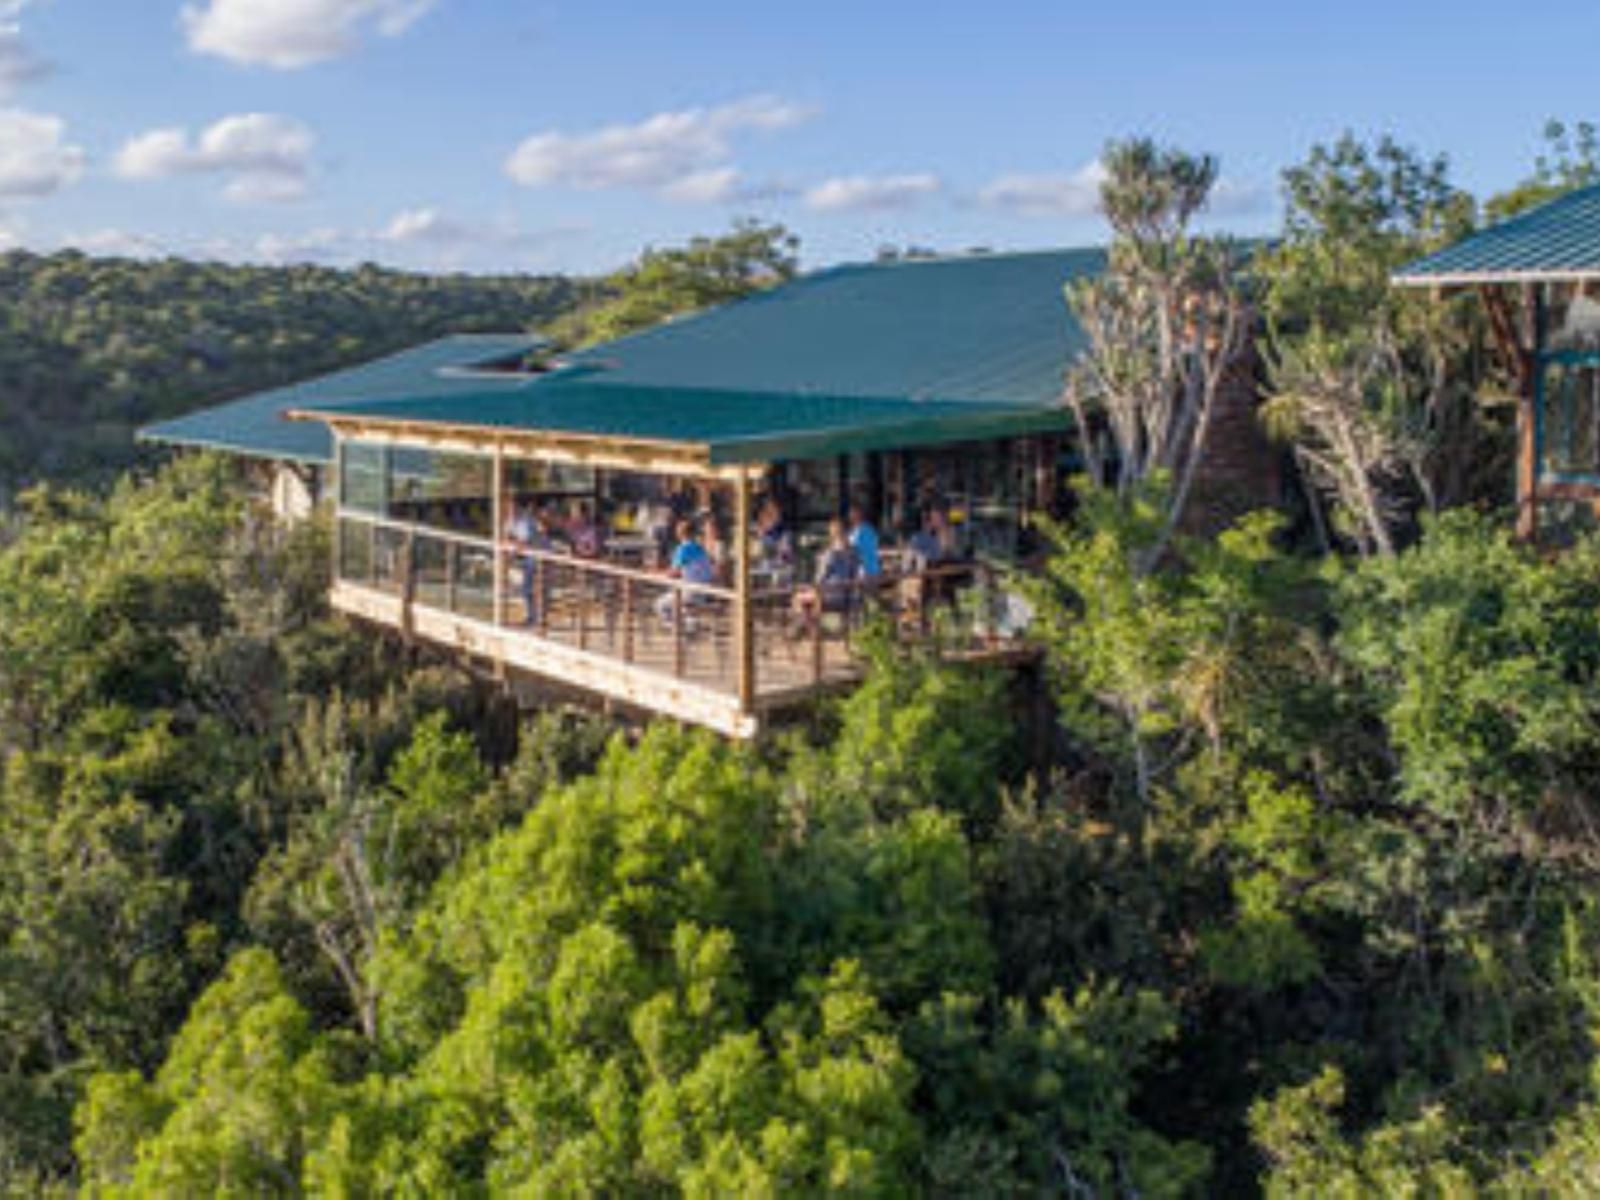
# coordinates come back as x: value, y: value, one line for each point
x: 91, y: 348
x: 1301, y: 901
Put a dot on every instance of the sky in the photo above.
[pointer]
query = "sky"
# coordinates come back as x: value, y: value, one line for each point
x: 543, y: 135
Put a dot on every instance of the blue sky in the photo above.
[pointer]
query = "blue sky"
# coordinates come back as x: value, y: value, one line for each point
x: 493, y: 135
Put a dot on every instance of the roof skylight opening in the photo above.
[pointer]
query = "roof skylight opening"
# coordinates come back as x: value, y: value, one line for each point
x: 525, y: 365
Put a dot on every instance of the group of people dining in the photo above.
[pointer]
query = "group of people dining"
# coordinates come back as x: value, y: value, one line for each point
x: 681, y: 543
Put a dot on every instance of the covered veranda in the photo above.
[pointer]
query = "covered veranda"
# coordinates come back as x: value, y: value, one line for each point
x: 431, y: 499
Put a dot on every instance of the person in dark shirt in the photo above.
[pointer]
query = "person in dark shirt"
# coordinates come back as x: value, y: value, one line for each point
x: 838, y: 570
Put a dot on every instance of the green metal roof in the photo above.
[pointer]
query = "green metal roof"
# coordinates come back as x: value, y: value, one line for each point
x: 977, y: 327
x: 1559, y: 239
x: 735, y: 426
x: 853, y: 357
x: 255, y: 424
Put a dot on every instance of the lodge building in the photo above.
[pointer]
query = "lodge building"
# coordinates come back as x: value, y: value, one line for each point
x: 902, y: 388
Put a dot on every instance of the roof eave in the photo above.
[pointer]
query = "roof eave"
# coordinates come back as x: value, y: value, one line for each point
x: 1437, y: 279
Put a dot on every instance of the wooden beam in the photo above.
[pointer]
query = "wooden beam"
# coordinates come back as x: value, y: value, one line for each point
x: 1503, y: 325
x: 691, y: 459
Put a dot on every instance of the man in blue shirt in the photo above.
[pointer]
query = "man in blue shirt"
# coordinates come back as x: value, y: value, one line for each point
x: 864, y: 541
x: 690, y: 563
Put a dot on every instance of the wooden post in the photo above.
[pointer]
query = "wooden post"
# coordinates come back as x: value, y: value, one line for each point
x: 497, y: 519
x: 743, y: 630
x: 541, y: 588
x: 627, y: 618
x: 816, y: 640
x: 585, y: 584
x: 1528, y: 417
x: 680, y: 615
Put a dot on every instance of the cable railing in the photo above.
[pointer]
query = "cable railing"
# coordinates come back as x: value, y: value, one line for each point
x: 797, y: 638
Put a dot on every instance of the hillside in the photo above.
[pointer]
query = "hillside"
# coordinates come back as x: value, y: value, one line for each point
x: 92, y: 348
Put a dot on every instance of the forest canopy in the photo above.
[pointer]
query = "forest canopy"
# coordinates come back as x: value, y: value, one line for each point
x: 1298, y: 898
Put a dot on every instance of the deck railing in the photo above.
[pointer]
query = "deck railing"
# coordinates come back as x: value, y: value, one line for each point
x: 649, y: 620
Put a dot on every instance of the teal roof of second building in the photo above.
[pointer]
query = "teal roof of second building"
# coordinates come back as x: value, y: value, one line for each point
x: 1559, y: 239
x: 846, y: 353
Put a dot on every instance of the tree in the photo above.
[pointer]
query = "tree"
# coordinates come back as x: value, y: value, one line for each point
x: 664, y: 283
x: 1371, y: 384
x: 1571, y: 160
x: 1167, y: 323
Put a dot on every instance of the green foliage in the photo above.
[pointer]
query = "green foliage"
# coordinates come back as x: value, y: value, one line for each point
x: 91, y: 348
x: 1571, y: 160
x: 1371, y: 383
x: 1484, y: 660
x: 1039, y: 1104
x: 665, y: 283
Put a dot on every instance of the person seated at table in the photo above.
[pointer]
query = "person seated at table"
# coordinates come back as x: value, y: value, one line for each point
x: 583, y: 535
x: 864, y: 541
x: 772, y: 533
x: 838, y: 570
x: 690, y: 563
x: 932, y: 544
x: 528, y: 530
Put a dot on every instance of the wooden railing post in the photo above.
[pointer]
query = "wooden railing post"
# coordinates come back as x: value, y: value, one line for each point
x: 816, y: 639
x: 743, y: 628
x: 680, y: 614
x: 581, y: 573
x: 541, y: 589
x: 497, y: 518
x: 627, y: 618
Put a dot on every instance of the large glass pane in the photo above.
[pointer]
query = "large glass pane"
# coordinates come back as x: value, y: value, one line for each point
x: 442, y: 490
x: 355, y: 551
x: 389, y: 558
x: 431, y: 559
x: 1572, y: 420
x: 361, y: 472
x: 473, y: 573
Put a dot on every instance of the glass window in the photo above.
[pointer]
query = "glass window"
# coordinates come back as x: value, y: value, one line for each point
x: 1572, y: 420
x: 361, y: 477
x: 446, y: 491
x: 355, y: 551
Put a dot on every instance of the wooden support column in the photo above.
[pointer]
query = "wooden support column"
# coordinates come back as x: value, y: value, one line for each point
x: 743, y: 626
x: 497, y: 520
x: 1529, y: 417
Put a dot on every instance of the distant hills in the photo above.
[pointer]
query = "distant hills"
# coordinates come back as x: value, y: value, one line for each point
x: 92, y: 348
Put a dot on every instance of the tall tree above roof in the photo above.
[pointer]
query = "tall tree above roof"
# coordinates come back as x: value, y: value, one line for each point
x: 664, y: 283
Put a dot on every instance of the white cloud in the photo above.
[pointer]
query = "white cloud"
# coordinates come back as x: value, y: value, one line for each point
x: 18, y: 63
x: 428, y: 229
x: 867, y: 192
x: 288, y: 34
x: 34, y: 158
x: 267, y: 158
x: 1074, y: 195
x: 1237, y: 197
x: 425, y: 225
x: 314, y: 245
x: 714, y: 185
x: 115, y: 243
x: 683, y: 155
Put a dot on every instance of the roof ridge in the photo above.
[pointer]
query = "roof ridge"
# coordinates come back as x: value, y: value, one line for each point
x: 959, y: 256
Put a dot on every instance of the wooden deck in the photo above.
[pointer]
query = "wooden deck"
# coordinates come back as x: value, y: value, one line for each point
x: 639, y: 660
